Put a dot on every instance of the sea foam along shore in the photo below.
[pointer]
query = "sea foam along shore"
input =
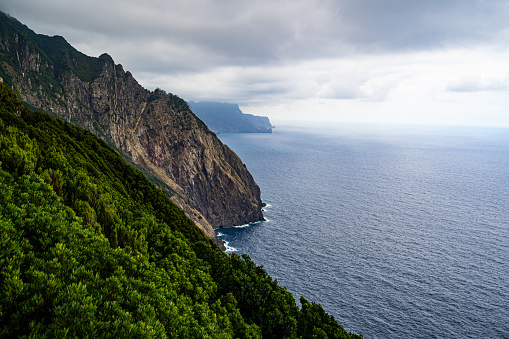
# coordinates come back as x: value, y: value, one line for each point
x: 221, y: 236
x: 230, y: 249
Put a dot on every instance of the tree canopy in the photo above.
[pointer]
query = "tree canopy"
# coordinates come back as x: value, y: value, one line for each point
x: 89, y: 247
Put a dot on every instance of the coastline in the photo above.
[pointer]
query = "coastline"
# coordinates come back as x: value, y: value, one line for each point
x: 223, y: 244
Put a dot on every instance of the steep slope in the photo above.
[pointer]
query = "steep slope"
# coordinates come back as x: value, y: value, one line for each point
x: 154, y: 130
x: 90, y: 248
x: 227, y: 117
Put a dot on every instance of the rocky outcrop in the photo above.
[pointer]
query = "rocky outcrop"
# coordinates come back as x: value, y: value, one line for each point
x: 156, y: 131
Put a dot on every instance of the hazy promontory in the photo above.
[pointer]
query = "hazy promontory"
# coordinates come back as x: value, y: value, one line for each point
x: 224, y: 117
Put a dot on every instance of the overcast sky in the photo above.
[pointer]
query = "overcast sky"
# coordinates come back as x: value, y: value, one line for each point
x: 433, y: 61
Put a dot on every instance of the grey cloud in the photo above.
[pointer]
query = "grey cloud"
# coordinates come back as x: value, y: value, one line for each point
x: 402, y: 24
x: 257, y: 32
x: 185, y: 41
x: 232, y: 30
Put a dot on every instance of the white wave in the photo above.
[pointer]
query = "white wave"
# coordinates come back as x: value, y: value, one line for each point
x: 242, y: 226
x: 229, y: 249
x: 266, y: 207
x: 247, y: 225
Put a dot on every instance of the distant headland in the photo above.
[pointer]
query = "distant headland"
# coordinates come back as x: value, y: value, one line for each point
x: 224, y: 117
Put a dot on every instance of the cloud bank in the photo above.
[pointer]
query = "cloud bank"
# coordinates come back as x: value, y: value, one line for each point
x: 349, y: 60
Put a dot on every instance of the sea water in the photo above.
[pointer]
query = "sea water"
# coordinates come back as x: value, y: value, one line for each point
x: 398, y: 231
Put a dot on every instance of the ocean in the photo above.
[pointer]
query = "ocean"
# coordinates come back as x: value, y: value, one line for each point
x: 398, y: 231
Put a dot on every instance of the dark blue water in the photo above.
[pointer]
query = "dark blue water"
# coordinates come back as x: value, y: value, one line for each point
x: 396, y: 231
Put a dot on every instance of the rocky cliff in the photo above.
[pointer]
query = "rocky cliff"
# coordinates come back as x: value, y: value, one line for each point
x: 155, y: 131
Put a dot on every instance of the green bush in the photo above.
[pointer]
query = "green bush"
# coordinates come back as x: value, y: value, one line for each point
x: 90, y: 248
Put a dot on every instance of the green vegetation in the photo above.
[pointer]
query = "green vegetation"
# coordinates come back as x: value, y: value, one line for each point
x: 89, y: 247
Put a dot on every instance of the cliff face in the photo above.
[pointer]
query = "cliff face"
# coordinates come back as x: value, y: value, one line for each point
x: 155, y: 131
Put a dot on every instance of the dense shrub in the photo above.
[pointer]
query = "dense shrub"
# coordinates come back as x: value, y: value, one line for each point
x: 90, y: 248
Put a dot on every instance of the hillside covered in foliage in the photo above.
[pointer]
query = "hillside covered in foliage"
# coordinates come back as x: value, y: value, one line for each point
x: 91, y: 248
x: 153, y: 130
